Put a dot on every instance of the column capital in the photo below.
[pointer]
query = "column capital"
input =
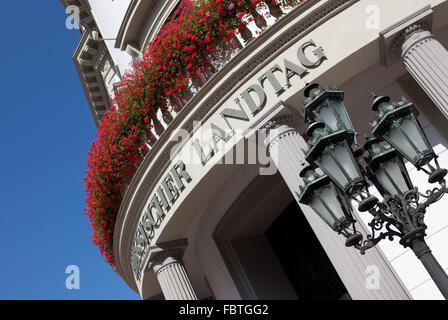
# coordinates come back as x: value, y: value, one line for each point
x: 278, y: 127
x: 279, y: 110
x: 393, y: 38
x: 165, y: 253
x: 287, y: 119
x: 412, y: 39
x: 276, y: 122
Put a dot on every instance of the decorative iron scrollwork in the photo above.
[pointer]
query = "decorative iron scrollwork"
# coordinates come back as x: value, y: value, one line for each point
x: 401, y: 216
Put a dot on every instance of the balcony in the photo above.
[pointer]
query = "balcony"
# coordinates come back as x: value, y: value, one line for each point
x: 263, y: 17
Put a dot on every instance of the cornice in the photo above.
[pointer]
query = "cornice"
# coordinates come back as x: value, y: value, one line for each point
x: 134, y: 22
x: 89, y: 23
x: 84, y: 7
x: 276, y: 39
x: 75, y: 56
x: 101, y: 57
x: 82, y: 4
x: 93, y: 59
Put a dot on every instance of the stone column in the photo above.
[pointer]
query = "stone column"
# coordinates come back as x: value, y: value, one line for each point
x: 285, y: 145
x: 427, y: 61
x: 424, y: 57
x: 166, y: 263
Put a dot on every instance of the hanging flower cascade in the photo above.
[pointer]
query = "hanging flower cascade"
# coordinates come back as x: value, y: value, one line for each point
x: 183, y: 49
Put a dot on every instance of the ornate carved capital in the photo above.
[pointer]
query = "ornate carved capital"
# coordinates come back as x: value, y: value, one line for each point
x: 396, y: 47
x: 413, y: 39
x: 393, y: 38
x: 165, y: 258
x: 166, y: 253
x: 284, y: 120
x: 278, y: 127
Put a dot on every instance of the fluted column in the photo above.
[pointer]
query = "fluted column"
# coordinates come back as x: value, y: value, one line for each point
x: 426, y: 60
x: 285, y: 145
x: 173, y: 279
x: 424, y: 57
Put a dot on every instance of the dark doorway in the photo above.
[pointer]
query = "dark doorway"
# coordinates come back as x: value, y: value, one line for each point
x: 303, y: 259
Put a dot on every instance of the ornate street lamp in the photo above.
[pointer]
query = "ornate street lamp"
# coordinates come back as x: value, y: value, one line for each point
x: 398, y: 135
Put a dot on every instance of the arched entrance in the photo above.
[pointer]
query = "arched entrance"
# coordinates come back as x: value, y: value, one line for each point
x: 270, y: 249
x: 267, y: 243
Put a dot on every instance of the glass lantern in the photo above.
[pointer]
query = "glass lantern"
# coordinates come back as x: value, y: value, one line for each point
x: 327, y: 106
x: 325, y: 199
x: 332, y: 153
x: 397, y: 123
x: 387, y: 170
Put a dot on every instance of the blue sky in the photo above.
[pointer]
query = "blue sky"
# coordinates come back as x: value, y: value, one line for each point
x: 46, y: 129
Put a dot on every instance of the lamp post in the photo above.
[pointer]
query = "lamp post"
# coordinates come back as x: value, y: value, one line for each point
x: 337, y: 172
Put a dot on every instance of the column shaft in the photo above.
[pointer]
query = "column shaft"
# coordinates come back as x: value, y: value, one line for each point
x: 426, y: 60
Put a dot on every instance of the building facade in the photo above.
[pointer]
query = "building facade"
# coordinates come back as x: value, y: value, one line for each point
x: 226, y: 223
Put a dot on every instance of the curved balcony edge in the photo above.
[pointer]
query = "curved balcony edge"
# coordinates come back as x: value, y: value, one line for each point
x: 249, y: 60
